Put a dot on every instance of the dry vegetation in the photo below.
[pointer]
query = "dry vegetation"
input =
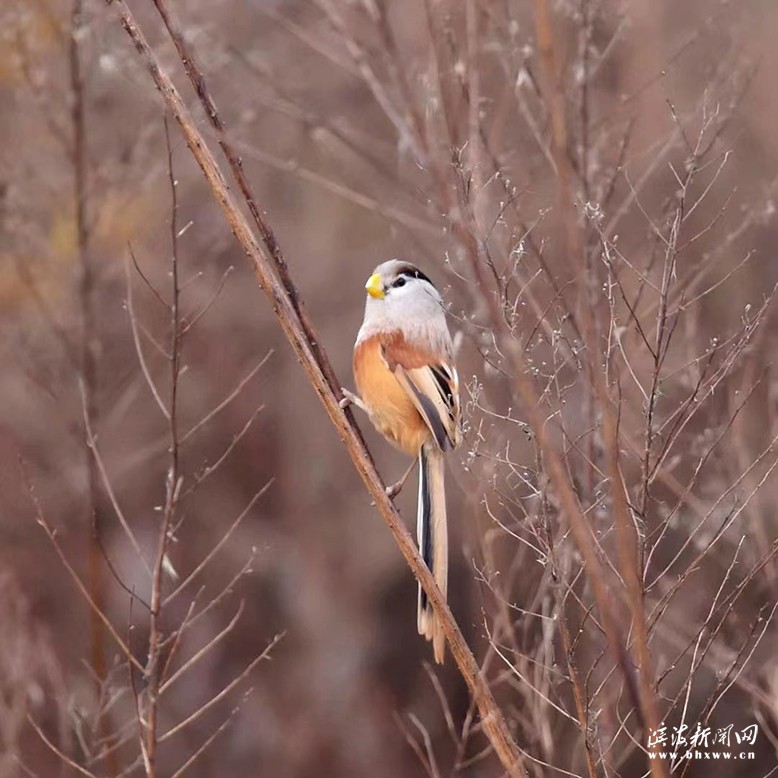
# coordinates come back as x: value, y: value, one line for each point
x: 590, y: 182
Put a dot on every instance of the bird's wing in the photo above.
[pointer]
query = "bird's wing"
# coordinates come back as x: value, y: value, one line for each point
x: 432, y: 384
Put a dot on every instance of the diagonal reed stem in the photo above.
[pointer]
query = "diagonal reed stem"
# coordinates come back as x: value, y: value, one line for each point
x: 266, y: 260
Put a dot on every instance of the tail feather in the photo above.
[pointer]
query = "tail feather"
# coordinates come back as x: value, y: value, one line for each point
x: 432, y: 535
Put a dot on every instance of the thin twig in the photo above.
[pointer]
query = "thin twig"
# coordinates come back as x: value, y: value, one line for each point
x: 52, y: 535
x: 225, y: 691
x: 228, y: 399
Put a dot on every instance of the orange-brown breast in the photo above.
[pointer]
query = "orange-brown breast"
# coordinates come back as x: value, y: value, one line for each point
x: 391, y: 409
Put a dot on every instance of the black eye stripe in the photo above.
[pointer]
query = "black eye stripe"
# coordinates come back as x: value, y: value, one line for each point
x: 408, y: 274
x: 418, y: 274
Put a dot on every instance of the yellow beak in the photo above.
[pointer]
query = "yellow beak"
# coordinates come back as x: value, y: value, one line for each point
x: 375, y: 287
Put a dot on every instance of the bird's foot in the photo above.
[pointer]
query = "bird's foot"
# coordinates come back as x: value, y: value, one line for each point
x: 349, y: 398
x: 395, y: 489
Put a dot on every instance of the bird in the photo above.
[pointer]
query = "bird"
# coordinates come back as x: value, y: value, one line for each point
x: 408, y: 385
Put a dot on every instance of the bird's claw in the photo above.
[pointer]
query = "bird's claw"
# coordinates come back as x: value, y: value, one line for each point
x: 393, y: 490
x: 348, y: 398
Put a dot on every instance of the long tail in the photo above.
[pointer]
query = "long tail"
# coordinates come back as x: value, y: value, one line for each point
x: 432, y: 534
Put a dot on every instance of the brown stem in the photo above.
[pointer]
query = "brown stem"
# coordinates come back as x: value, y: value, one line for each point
x: 196, y: 77
x: 579, y: 692
x: 642, y: 688
x: 172, y: 487
x: 265, y: 258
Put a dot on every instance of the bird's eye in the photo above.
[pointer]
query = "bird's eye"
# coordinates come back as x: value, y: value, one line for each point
x: 399, y: 282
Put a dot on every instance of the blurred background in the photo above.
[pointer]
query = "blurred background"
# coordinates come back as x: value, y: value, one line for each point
x: 372, y: 130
